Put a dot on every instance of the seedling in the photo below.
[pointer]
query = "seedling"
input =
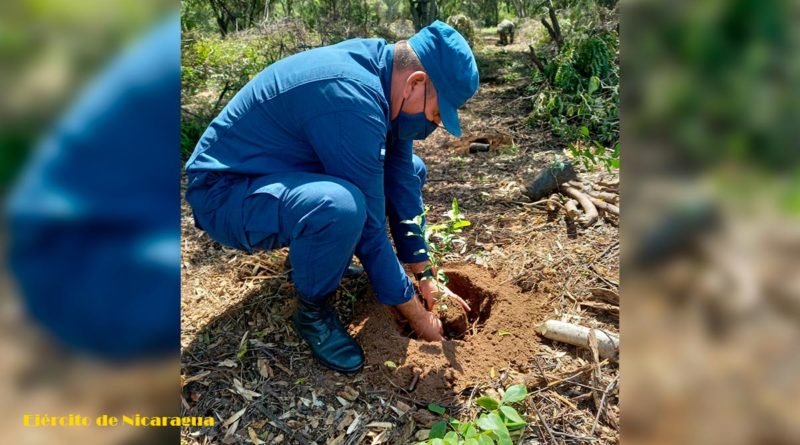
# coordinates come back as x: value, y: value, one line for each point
x: 440, y: 239
x: 350, y: 298
x: 493, y: 425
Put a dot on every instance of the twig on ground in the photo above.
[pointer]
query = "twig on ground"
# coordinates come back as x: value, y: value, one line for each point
x: 609, y: 388
x: 417, y: 373
x: 543, y: 422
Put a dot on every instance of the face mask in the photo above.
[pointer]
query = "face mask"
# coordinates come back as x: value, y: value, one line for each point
x: 413, y: 126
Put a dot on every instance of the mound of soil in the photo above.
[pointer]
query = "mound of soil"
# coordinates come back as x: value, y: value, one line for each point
x: 499, y: 334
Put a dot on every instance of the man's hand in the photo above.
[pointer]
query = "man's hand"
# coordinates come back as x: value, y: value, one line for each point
x: 427, y: 326
x: 433, y: 291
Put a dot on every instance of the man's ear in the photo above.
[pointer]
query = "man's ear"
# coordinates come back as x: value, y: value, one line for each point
x: 416, y: 79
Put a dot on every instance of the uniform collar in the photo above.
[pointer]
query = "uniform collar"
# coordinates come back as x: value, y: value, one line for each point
x: 386, y: 72
x: 386, y: 82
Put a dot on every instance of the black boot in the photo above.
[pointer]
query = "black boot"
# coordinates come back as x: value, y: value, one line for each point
x: 319, y: 325
x: 352, y: 271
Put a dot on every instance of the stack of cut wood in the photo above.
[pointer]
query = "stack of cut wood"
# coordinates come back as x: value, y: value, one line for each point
x: 582, y: 202
x: 592, y: 198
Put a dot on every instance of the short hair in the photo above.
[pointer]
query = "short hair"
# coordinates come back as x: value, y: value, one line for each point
x: 405, y: 58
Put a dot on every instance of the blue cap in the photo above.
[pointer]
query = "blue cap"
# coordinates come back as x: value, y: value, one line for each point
x: 449, y: 62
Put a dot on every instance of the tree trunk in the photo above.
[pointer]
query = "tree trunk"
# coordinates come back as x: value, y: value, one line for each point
x: 548, y: 180
x: 537, y: 61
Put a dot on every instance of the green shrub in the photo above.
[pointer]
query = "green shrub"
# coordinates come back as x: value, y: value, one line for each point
x: 464, y: 26
x: 578, y: 98
x: 214, y: 68
x: 493, y: 426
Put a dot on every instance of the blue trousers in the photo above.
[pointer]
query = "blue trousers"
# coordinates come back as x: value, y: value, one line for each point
x: 320, y: 218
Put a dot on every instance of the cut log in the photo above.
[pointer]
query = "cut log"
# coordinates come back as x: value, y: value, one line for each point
x: 605, y: 206
x: 608, y: 197
x: 590, y: 211
x: 553, y: 202
x: 572, y: 209
x: 607, y: 295
x: 549, y: 180
x: 607, y: 343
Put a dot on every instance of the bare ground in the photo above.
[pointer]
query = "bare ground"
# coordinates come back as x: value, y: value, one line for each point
x: 243, y: 364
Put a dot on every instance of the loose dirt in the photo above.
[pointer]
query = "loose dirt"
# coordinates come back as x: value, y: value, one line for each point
x: 500, y: 335
x: 453, y: 317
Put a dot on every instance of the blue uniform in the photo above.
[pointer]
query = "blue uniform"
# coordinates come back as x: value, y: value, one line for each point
x: 303, y: 156
x: 94, y: 240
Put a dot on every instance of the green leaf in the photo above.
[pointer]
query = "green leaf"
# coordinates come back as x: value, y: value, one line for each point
x: 471, y: 441
x: 484, y: 423
x: 503, y: 333
x: 504, y: 439
x: 487, y: 402
x: 460, y: 224
x: 594, y: 84
x: 484, y: 439
x: 514, y: 393
x: 390, y: 364
x: 492, y: 422
x: 242, y: 351
x: 469, y: 431
x: 585, y: 131
x: 436, y: 228
x: 615, y: 163
x: 437, y: 430
x: 436, y: 441
x: 451, y: 438
x: 434, y: 408
x: 454, y: 208
x: 513, y: 419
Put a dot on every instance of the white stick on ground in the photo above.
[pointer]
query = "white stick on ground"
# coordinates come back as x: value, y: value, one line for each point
x: 607, y: 343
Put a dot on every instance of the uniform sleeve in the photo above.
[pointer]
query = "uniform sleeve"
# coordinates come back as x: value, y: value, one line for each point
x: 404, y: 202
x: 349, y: 144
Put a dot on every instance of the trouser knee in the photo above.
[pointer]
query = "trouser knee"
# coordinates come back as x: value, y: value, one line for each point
x: 341, y: 211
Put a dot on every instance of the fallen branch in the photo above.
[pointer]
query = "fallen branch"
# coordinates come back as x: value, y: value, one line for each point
x: 590, y: 211
x: 536, y: 60
x: 607, y: 344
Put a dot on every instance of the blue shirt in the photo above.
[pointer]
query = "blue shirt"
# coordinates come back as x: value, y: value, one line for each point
x: 327, y: 111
